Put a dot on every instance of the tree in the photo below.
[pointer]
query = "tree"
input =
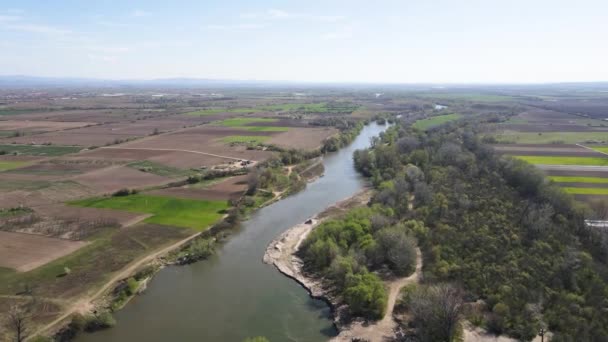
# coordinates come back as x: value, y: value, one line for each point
x: 398, y: 249
x: 18, y: 322
x: 436, y: 312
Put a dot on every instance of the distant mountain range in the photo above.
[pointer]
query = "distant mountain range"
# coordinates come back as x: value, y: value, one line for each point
x: 22, y: 81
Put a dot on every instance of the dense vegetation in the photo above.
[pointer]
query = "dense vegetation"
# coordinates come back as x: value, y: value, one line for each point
x: 497, y: 228
x: 344, y: 250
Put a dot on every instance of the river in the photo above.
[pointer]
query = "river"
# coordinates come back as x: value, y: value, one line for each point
x: 233, y: 295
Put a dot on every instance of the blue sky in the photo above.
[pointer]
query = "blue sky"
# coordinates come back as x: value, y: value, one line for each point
x: 451, y: 41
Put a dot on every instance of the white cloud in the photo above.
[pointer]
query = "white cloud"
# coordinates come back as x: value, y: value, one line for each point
x: 141, y: 13
x: 103, y: 58
x: 330, y: 18
x: 278, y: 14
x: 345, y: 32
x: 9, y: 18
x: 236, y: 27
x: 109, y: 49
x: 33, y: 28
x: 271, y: 14
x: 113, y: 24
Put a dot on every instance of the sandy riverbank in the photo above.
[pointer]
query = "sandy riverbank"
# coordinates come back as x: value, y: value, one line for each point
x: 281, y: 253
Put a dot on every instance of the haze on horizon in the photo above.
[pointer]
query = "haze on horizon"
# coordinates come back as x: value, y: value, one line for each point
x: 436, y: 41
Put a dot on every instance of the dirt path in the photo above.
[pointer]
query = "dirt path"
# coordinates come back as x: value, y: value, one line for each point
x: 172, y: 150
x: 384, y: 329
x: 85, y: 304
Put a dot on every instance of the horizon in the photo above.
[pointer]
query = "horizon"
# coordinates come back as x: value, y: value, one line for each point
x: 393, y: 42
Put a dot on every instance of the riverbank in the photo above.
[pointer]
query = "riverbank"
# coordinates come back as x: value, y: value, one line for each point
x: 281, y: 253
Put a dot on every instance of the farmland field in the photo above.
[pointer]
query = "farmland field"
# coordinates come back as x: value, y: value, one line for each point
x: 436, y: 121
x: 586, y: 191
x: 555, y: 160
x: 244, y: 139
x: 574, y: 179
x: 24, y: 252
x: 8, y: 165
x: 601, y: 149
x: 39, y: 150
x: 549, y: 137
x: 186, y: 213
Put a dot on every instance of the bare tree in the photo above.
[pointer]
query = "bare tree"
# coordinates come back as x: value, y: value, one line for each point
x: 436, y: 312
x: 18, y: 321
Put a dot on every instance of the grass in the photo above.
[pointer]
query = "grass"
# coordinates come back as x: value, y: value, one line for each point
x: 603, y: 149
x: 587, y: 191
x: 160, y: 169
x: 9, y: 165
x: 244, y: 139
x: 549, y: 137
x: 560, y: 160
x: 39, y: 150
x: 15, y: 111
x: 574, y: 179
x: 243, y: 122
x: 434, y: 121
x: 176, y: 212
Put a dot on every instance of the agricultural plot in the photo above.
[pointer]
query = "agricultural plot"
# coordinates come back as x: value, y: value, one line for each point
x: 303, y: 138
x: 39, y: 150
x: 159, y: 169
x: 550, y: 137
x: 230, y: 188
x: 92, y: 264
x: 434, y: 121
x: 111, y: 179
x: 245, y: 123
x: 335, y: 108
x: 175, y: 212
x: 9, y: 165
x: 25, y: 252
x: 555, y: 160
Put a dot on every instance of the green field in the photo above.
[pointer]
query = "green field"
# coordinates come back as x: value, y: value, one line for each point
x: 169, y: 211
x: 243, y: 122
x: 7, y: 112
x: 425, y: 124
x: 160, y: 169
x: 572, y: 179
x: 9, y: 165
x: 587, y: 191
x: 603, y: 149
x: 560, y: 160
x: 549, y: 137
x: 39, y: 150
x: 244, y: 139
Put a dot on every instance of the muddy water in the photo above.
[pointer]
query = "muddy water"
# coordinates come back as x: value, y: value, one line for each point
x: 234, y: 295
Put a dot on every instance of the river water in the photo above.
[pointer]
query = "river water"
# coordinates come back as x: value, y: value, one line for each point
x: 233, y: 295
